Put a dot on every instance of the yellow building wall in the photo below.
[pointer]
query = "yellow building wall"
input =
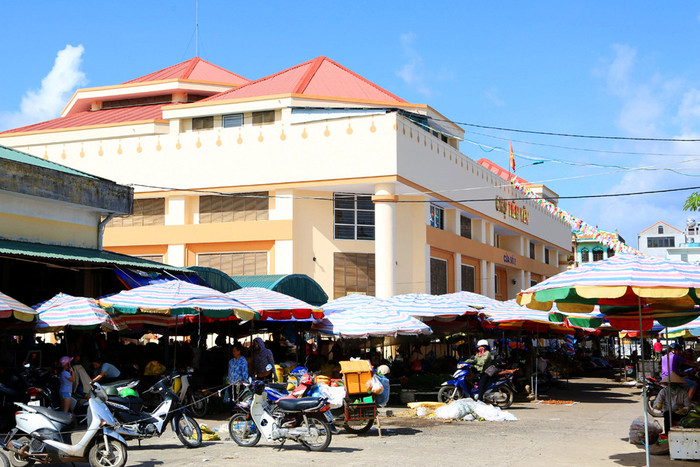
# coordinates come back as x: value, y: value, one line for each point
x: 33, y: 229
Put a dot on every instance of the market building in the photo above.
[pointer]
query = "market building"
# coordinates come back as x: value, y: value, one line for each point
x: 312, y: 170
x: 587, y: 246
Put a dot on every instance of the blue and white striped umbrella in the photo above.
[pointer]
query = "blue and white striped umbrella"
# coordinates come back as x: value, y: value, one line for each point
x: 471, y: 299
x: 79, y: 312
x: 177, y: 297
x: 348, y: 302
x: 428, y: 307
x: 370, y: 320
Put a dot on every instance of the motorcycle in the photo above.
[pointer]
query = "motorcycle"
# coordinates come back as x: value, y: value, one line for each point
x: 306, y: 420
x: 499, y: 393
x: 40, y: 436
x: 136, y: 424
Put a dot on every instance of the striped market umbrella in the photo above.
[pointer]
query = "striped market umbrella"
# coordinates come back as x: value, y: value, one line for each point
x: 471, y: 299
x: 177, y: 297
x: 143, y: 320
x: 77, y: 312
x: 9, y: 307
x: 348, y: 302
x: 509, y: 315
x: 371, y: 320
x: 274, y: 305
x: 428, y: 307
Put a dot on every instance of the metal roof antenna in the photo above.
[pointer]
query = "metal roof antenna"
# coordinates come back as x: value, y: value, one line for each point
x: 196, y: 28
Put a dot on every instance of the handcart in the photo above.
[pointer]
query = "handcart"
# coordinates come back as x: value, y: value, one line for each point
x: 359, y: 405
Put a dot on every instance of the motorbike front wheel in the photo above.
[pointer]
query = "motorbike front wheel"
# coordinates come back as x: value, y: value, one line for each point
x: 448, y: 393
x: 188, y: 431
x: 4, y: 462
x: 651, y: 404
x: 502, y: 397
x: 101, y: 455
x: 319, y: 436
x: 243, y: 431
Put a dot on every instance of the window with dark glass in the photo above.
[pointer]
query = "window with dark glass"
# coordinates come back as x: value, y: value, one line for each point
x: 202, y: 123
x: 532, y: 250
x: 597, y: 254
x: 353, y: 216
x: 661, y: 242
x: 584, y: 255
x: 437, y: 217
x: 465, y: 227
x: 468, y: 278
x: 438, y: 276
x: 232, y: 120
x: 660, y: 230
x: 546, y: 255
x: 611, y: 252
x: 260, y: 118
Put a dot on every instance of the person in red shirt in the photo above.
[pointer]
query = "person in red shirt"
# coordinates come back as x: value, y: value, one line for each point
x: 657, y: 348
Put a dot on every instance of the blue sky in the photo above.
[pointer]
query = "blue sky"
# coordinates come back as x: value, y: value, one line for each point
x: 625, y: 69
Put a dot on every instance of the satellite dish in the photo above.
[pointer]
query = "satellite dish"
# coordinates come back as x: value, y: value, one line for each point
x: 690, y: 222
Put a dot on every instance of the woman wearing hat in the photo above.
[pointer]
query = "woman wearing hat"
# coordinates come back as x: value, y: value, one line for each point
x: 673, y: 400
x: 66, y: 378
x: 481, y: 361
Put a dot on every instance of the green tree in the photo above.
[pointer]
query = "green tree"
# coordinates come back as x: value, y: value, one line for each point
x: 692, y: 203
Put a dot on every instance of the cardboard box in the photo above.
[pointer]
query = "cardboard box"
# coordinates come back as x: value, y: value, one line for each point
x: 356, y: 374
x: 684, y: 443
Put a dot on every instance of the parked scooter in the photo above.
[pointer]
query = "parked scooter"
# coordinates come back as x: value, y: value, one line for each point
x: 40, y: 436
x: 652, y: 387
x: 306, y: 420
x: 499, y: 393
x: 136, y: 424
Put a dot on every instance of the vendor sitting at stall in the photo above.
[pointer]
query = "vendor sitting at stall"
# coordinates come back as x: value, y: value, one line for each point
x: 673, y: 400
x: 672, y: 363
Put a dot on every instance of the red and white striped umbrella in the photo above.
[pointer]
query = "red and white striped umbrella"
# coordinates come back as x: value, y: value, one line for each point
x: 274, y: 305
x: 10, y: 307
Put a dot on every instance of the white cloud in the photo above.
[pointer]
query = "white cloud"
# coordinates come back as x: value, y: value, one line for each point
x: 492, y: 95
x: 413, y: 71
x: 56, y: 88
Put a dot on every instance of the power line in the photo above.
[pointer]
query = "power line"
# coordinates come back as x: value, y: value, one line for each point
x: 570, y: 135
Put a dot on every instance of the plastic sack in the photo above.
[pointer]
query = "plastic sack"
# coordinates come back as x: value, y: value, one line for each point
x: 453, y: 410
x: 637, y: 435
x: 335, y: 395
x: 374, y: 385
x: 383, y: 397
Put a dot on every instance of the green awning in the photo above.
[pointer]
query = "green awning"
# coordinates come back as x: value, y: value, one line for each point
x: 216, y: 279
x: 56, y: 253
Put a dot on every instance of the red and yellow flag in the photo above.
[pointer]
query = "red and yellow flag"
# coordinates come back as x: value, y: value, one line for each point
x: 512, y: 158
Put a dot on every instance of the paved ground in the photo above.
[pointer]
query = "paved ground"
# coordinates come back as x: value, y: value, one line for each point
x: 590, y: 433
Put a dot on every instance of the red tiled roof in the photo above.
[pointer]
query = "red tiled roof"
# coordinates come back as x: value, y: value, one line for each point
x: 500, y: 171
x: 318, y: 77
x: 95, y: 117
x: 193, y: 69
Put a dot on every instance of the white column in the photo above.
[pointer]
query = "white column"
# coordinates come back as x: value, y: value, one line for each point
x: 176, y: 255
x: 175, y: 214
x: 385, y: 239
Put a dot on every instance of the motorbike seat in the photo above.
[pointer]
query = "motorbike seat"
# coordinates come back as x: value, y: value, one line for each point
x: 299, y: 405
x: 63, y: 418
x: 134, y: 403
x: 280, y: 387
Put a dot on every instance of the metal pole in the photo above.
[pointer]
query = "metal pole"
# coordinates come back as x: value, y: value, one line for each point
x: 644, y: 389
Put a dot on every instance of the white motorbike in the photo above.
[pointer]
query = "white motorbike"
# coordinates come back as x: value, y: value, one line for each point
x: 41, y: 436
x: 306, y: 420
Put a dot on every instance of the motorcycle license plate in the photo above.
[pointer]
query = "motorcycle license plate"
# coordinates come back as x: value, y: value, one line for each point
x: 34, y: 403
x: 328, y: 415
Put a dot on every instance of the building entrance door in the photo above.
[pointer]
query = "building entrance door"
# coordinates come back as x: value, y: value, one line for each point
x: 500, y: 285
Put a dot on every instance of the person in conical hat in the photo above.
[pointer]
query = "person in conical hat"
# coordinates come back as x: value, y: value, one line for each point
x: 673, y: 400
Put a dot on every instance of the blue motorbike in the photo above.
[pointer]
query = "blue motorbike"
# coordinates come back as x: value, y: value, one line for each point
x: 500, y: 392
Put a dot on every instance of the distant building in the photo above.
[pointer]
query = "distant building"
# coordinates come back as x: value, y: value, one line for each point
x: 658, y: 238
x: 588, y: 248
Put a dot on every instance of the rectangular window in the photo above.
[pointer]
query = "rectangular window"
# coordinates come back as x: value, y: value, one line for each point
x: 468, y: 278
x: 465, y: 227
x: 661, y: 242
x: 437, y: 217
x: 597, y: 254
x: 660, y: 230
x: 438, y: 276
x: 202, y: 123
x: 235, y: 208
x: 495, y: 284
x: 149, y: 211
x: 546, y: 256
x: 532, y: 250
x: 260, y: 118
x: 353, y: 273
x: 684, y: 257
x: 244, y: 263
x: 156, y: 258
x: 353, y: 216
x: 232, y: 120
